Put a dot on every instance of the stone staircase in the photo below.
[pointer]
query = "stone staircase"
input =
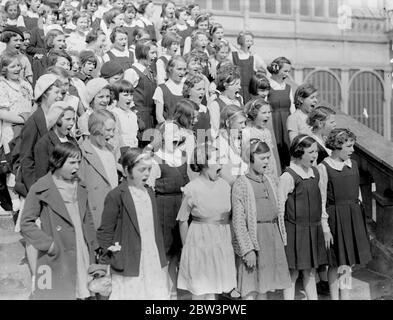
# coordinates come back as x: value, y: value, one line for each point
x: 15, y: 279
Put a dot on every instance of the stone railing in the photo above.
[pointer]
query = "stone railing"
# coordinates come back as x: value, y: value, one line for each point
x: 374, y: 155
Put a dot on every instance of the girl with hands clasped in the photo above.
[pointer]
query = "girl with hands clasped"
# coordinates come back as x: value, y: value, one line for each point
x: 207, y: 265
x: 261, y: 261
x: 299, y: 207
x: 343, y: 222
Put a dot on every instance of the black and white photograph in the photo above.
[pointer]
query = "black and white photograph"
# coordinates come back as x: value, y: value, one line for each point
x: 195, y: 155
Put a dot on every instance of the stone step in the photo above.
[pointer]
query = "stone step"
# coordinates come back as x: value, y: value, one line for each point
x: 15, y: 294
x: 370, y: 285
x: 7, y: 222
x: 11, y: 253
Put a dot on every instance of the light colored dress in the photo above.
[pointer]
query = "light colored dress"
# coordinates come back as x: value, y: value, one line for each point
x: 207, y: 264
x: 153, y: 281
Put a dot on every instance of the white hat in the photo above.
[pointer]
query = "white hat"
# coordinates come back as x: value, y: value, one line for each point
x: 93, y: 87
x: 54, y: 113
x: 43, y: 83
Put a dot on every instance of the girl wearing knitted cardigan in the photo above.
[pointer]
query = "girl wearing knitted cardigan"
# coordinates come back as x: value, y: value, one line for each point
x: 260, y: 255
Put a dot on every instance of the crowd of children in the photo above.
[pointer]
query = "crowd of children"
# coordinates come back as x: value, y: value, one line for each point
x: 146, y: 157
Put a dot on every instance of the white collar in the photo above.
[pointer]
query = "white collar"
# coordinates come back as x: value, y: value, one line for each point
x: 300, y: 171
x: 228, y: 100
x: 118, y: 53
x: 19, y: 22
x: 202, y: 108
x: 176, y: 89
x: 181, y: 27
x: 277, y: 86
x: 337, y: 164
x: 139, y: 66
x: 32, y: 14
x: 174, y: 159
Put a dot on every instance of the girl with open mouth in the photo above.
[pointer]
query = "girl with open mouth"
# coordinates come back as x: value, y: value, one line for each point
x: 281, y: 101
x: 299, y: 216
x: 168, y: 94
x: 168, y: 176
x: 207, y: 265
x: 247, y: 61
x: 262, y: 264
x: 194, y: 89
x: 258, y: 115
x: 306, y: 99
x: 228, y: 85
x: 120, y: 52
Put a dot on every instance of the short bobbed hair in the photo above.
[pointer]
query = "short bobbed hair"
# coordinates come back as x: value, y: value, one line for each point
x: 61, y: 153
x: 252, y: 108
x: 337, y: 137
x: 299, y: 144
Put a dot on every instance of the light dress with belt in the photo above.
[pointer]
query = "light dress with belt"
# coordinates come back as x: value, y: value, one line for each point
x: 207, y: 264
x: 153, y: 281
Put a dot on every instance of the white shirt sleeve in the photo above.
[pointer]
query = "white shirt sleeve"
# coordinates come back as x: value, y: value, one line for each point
x: 292, y: 108
x: 259, y: 63
x: 214, y: 110
x: 155, y: 174
x: 286, y: 185
x: 131, y: 76
x: 161, y: 72
x: 187, y: 46
x: 105, y: 58
x: 323, y: 182
x: 158, y: 95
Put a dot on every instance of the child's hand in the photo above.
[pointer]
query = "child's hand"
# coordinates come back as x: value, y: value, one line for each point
x: 328, y: 239
x: 250, y: 259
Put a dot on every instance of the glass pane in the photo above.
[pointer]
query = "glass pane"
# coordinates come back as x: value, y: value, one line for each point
x: 286, y: 6
x: 270, y: 6
x: 305, y: 7
x: 234, y: 5
x: 319, y: 8
x: 333, y: 8
x: 255, y: 6
x: 202, y: 3
x: 218, y: 5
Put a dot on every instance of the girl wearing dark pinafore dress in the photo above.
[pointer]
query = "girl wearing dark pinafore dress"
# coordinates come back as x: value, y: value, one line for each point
x: 171, y: 92
x: 343, y: 220
x: 120, y: 52
x: 146, y: 10
x: 168, y: 176
x: 145, y: 85
x: 246, y: 72
x: 280, y: 99
x: 300, y: 212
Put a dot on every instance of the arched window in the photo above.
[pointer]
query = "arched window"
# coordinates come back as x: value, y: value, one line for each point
x: 366, y: 97
x: 329, y: 88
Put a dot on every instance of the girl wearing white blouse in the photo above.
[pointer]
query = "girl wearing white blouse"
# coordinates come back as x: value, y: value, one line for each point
x: 306, y: 99
x: 343, y: 220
